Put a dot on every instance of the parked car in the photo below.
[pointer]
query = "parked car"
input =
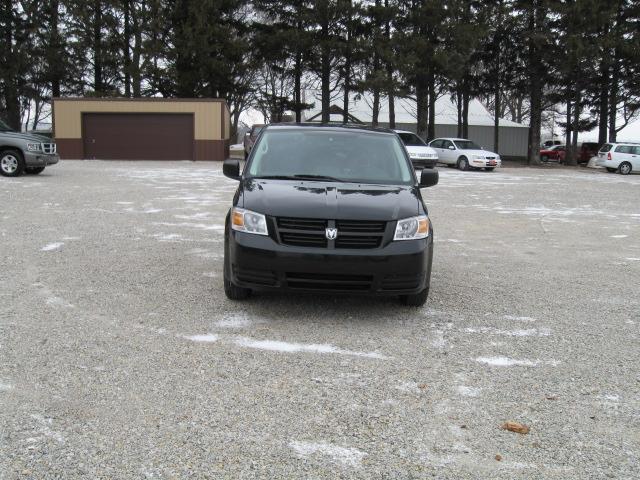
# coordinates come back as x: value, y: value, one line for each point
x: 623, y: 157
x: 550, y: 143
x: 464, y: 154
x: 587, y: 151
x: 24, y: 152
x: 323, y: 208
x: 420, y: 153
x: 555, y: 154
x: 250, y: 138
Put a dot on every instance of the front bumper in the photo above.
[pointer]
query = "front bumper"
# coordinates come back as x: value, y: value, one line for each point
x: 424, y: 162
x: 35, y: 159
x: 485, y: 163
x: 260, y: 263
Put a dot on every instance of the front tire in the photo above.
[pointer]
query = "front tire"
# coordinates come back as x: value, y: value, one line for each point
x: 544, y: 159
x: 11, y: 163
x: 416, y: 299
x: 463, y: 163
x: 624, y: 168
x: 34, y: 170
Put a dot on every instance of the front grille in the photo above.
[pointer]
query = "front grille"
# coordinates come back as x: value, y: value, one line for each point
x: 311, y: 232
x: 256, y: 277
x: 320, y: 281
x: 49, y: 148
x: 304, y: 239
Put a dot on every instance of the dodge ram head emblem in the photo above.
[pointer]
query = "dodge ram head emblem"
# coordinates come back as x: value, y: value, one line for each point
x: 331, y: 233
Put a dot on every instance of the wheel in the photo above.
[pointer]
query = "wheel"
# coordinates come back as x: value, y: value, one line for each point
x: 463, y: 163
x: 233, y: 292
x: 490, y: 169
x: 544, y: 159
x: 624, y: 168
x: 34, y: 170
x: 611, y: 170
x: 11, y: 163
x: 417, y: 299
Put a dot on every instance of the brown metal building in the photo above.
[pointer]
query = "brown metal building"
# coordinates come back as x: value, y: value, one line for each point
x: 141, y: 128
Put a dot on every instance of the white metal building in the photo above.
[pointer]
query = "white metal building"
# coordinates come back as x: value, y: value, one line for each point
x: 513, y: 136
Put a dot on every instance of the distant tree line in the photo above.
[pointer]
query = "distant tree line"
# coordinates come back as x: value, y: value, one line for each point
x: 527, y: 60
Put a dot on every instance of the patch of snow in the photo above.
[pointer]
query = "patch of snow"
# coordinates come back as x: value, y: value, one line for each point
x: 44, y: 427
x: 206, y: 338
x: 5, y: 387
x: 349, y: 457
x: 52, y: 246
x: 468, y: 391
x: 543, y: 332
x: 519, y: 319
x: 287, y: 347
x: 507, y: 362
x: 211, y: 274
x: 618, y: 236
x: 58, y: 302
x: 237, y: 320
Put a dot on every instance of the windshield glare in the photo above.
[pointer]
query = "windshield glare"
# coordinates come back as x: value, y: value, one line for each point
x: 350, y: 156
x: 411, y: 140
x: 467, y: 145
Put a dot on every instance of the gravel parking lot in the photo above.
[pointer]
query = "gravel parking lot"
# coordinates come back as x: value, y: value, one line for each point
x: 120, y: 356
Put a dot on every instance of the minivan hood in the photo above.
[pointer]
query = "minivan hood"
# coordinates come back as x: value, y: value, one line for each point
x: 329, y: 200
x: 30, y: 137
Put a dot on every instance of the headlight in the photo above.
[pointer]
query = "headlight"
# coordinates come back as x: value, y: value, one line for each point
x: 249, y: 222
x: 412, y: 228
x: 34, y: 147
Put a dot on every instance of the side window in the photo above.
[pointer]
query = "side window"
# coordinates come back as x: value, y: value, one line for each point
x: 436, y: 144
x: 447, y: 144
x: 623, y: 149
x: 606, y: 147
x: 636, y: 150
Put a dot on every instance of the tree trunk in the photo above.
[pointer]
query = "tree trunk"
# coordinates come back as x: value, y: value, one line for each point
x: 572, y: 158
x: 347, y: 85
x: 459, y: 111
x: 392, y: 101
x: 55, y: 45
x: 325, y: 60
x: 297, y: 85
x: 8, y: 72
x: 567, y: 133
x: 603, y: 102
x: 422, y: 103
x: 465, y: 114
x: 496, y: 119
x: 535, y: 88
x: 97, y: 48
x: 127, y: 48
x: 431, y: 127
x: 376, y: 106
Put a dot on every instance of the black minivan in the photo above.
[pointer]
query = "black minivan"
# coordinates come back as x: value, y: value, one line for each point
x: 328, y: 208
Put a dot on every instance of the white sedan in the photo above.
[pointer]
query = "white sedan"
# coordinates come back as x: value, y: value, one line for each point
x: 464, y: 154
x: 420, y: 154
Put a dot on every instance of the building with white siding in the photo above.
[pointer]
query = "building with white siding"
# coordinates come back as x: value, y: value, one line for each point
x: 513, y: 136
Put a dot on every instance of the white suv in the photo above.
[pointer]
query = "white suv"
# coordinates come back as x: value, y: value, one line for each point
x: 623, y: 157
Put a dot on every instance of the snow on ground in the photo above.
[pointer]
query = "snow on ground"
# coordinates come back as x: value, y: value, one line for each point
x: 349, y: 457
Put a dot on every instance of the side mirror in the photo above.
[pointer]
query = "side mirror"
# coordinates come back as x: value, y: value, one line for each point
x: 429, y: 177
x: 231, y: 169
x: 451, y: 147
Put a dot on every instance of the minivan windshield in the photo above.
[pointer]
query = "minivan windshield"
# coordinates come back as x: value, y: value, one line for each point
x: 467, y: 145
x: 4, y: 127
x: 330, y: 155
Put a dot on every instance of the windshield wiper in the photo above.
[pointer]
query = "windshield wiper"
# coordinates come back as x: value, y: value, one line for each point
x: 299, y: 177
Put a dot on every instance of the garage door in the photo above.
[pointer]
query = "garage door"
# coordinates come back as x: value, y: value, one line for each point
x: 138, y: 136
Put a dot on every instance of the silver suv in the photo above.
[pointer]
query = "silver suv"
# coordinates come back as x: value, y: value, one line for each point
x: 24, y: 152
x: 622, y: 157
